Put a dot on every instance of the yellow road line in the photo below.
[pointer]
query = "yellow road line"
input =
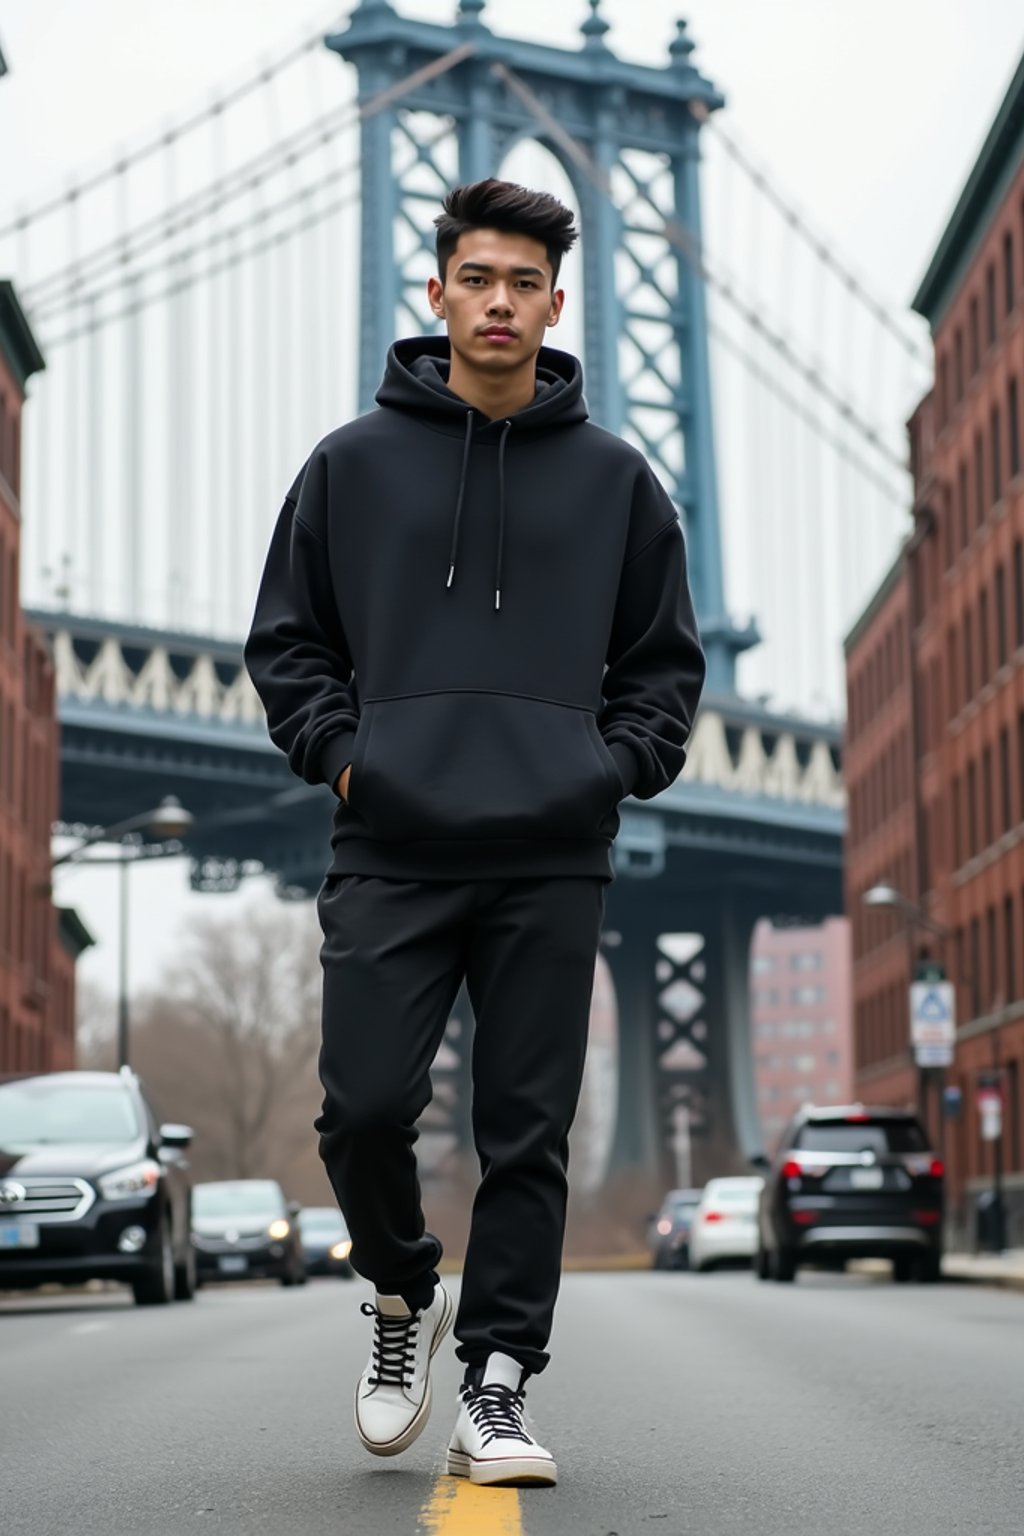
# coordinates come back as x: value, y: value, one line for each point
x: 458, y: 1507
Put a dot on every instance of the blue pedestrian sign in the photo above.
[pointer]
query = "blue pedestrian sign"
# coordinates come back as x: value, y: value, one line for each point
x: 933, y: 1022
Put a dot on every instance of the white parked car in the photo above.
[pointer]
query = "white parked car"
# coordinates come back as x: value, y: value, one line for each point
x: 725, y: 1222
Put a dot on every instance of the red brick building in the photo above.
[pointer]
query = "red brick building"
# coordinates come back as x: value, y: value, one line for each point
x: 800, y: 1019
x: 38, y: 943
x: 935, y: 681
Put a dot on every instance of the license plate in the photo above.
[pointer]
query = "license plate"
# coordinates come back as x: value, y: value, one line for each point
x: 21, y: 1234
x: 233, y: 1264
x: 866, y: 1178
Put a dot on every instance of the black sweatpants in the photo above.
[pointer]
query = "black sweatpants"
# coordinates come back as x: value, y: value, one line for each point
x: 395, y: 953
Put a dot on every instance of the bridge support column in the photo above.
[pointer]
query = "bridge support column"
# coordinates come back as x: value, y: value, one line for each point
x: 725, y: 1127
x: 638, y: 1140
x: 687, y: 1107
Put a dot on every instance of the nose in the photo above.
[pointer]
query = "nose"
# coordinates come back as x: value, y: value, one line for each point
x: 501, y: 303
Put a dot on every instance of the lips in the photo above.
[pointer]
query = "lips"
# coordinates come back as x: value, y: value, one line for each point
x: 499, y: 333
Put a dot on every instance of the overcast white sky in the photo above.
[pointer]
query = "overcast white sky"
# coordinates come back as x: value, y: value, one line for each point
x: 869, y: 112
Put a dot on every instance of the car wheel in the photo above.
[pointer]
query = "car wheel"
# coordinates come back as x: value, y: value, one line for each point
x: 783, y: 1265
x: 929, y: 1269
x: 287, y: 1277
x: 185, y: 1286
x: 903, y: 1270
x: 761, y: 1266
x: 155, y: 1286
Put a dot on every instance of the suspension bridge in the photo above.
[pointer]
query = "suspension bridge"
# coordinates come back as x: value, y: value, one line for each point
x: 221, y: 293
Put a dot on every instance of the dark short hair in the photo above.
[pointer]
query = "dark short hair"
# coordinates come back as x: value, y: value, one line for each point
x: 506, y: 206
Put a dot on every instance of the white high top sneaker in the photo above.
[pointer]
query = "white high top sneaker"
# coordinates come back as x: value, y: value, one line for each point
x: 393, y: 1395
x: 491, y: 1443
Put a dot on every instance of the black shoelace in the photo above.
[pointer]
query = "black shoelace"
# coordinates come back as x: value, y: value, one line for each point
x: 497, y: 1411
x: 394, y: 1347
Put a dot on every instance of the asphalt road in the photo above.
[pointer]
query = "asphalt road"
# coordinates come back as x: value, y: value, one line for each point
x: 704, y: 1405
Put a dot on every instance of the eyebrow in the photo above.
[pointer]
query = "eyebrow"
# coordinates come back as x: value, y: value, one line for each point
x: 486, y: 266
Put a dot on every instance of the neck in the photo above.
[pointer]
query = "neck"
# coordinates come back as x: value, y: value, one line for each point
x: 494, y: 396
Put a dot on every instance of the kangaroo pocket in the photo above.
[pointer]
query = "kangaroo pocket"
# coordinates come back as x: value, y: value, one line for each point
x: 480, y: 765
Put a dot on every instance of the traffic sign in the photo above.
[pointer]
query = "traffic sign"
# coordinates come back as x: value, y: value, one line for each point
x: 933, y: 1055
x: 932, y: 1014
x: 989, y: 1099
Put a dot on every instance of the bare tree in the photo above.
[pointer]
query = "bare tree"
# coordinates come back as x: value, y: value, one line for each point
x: 95, y: 1026
x: 229, y: 1042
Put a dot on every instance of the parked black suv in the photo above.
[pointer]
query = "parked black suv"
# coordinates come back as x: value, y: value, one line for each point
x: 91, y: 1188
x: 851, y: 1182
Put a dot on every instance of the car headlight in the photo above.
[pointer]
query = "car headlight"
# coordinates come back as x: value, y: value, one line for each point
x: 279, y: 1229
x: 342, y: 1250
x: 124, y: 1183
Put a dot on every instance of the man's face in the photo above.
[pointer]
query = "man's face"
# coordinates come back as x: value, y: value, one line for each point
x: 497, y: 299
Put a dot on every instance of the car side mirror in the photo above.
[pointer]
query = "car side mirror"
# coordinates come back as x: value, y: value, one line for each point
x: 176, y: 1136
x: 758, y: 1160
x: 294, y: 1207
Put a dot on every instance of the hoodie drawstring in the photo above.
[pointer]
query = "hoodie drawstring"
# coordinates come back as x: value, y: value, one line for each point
x: 460, y: 498
x: 501, y: 515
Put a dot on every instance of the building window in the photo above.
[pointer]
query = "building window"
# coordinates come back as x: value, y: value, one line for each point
x: 974, y: 337
x: 1008, y: 271
x: 968, y: 660
x: 986, y: 795
x: 984, y: 672
x: 954, y: 678
x: 972, y: 810
x: 804, y: 997
x: 1002, y: 647
x: 1008, y: 947
x: 1018, y: 591
x: 958, y: 365
x: 1004, y: 778
x: 993, y: 961
x: 958, y: 850
x: 990, y: 304
x: 762, y: 965
x: 806, y: 960
x: 979, y: 480
x: 1013, y: 426
x: 996, y: 439
x: 803, y: 1064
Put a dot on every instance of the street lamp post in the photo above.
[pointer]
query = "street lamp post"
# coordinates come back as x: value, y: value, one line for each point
x: 168, y: 821
x: 887, y: 896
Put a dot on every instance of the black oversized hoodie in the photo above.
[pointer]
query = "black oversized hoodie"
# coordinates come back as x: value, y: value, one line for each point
x: 489, y: 620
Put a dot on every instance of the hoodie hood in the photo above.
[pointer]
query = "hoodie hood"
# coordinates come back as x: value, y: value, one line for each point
x: 416, y: 380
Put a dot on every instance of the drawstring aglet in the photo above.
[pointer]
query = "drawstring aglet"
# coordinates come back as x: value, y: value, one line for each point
x: 497, y: 600
x: 451, y: 575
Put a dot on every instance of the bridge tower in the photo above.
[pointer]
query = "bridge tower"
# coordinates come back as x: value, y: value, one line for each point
x: 449, y: 104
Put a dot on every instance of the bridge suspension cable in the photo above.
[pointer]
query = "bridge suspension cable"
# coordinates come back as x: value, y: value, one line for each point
x: 820, y: 247
x: 160, y: 142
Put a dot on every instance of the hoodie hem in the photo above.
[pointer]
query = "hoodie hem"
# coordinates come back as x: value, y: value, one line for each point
x: 480, y: 860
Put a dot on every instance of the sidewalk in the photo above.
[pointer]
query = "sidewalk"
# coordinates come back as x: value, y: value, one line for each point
x: 1004, y: 1269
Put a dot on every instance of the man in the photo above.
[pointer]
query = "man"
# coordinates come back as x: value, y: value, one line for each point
x: 474, y: 624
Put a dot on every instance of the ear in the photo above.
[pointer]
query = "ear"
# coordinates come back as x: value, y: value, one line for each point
x: 435, y: 296
x: 554, y: 313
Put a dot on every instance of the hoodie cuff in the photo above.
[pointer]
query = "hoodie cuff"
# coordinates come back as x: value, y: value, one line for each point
x: 626, y: 763
x: 335, y: 757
